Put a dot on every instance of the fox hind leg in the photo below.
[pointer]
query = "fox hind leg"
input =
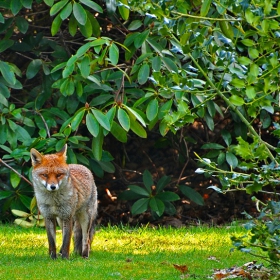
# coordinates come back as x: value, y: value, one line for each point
x: 82, y: 242
x: 78, y: 237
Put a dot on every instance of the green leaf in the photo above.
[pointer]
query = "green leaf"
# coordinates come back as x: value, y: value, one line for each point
x: 248, y: 42
x: 97, y: 144
x: 152, y: 109
x: 148, y: 180
x: 67, y: 87
x: 244, y: 60
x: 212, y: 146
x: 56, y: 25
x: 84, y: 66
x: 70, y: 66
x: 161, y: 184
x: 83, y: 49
x: 33, y: 68
x: 94, y: 25
x: 124, y: 119
x: 5, y: 44
x: 15, y: 179
x: 66, y: 12
x: 236, y: 100
x: 22, y: 134
x: 243, y: 149
x: 49, y: 2
x: 250, y: 92
x: 205, y: 7
x: 168, y: 196
x: 137, y: 128
x: 170, y: 65
x: 123, y: 10
x: 72, y: 25
x: 118, y: 132
x: 157, y: 206
x: 15, y: 6
x: 249, y: 16
x: 227, y: 137
x: 79, y: 13
x: 143, y: 74
x: 156, y: 63
x: 254, y: 70
x: 92, y: 124
x: 114, y: 54
x: 3, y: 100
x: 27, y: 3
x: 134, y: 115
x: 231, y: 159
x: 192, y: 194
x: 7, y: 73
x: 26, y: 200
x: 138, y: 190
x: 209, y: 121
x: 77, y: 120
x: 5, y: 194
x: 227, y: 30
x: 135, y: 24
x: 253, y: 188
x: 165, y: 109
x: 22, y: 24
x: 102, y: 119
x: 140, y: 39
x: 253, y: 53
x: 92, y: 5
x: 128, y: 195
x: 107, y: 166
x: 86, y: 29
x: 140, y: 206
x: 156, y: 46
x: 238, y: 83
x: 57, y: 7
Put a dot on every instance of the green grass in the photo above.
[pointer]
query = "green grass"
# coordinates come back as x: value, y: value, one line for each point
x: 121, y: 253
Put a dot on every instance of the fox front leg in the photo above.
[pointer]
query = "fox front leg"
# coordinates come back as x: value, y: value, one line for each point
x: 67, y: 233
x: 51, y: 233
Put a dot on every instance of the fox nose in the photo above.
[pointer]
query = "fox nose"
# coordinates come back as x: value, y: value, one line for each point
x: 53, y: 187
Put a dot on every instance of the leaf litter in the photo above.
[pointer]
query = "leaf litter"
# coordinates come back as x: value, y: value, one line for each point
x: 250, y: 271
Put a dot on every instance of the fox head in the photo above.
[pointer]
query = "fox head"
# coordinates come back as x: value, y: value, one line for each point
x: 49, y: 171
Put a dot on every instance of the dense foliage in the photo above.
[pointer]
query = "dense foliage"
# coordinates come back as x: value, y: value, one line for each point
x: 78, y: 72
x: 262, y: 239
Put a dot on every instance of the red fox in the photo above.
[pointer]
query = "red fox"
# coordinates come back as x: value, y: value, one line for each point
x: 66, y: 193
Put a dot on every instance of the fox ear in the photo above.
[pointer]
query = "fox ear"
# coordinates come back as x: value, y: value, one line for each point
x: 63, y: 151
x: 36, y: 157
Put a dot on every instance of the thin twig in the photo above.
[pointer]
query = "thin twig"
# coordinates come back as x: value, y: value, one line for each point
x: 185, y: 165
x: 206, y: 18
x: 46, y: 125
x: 21, y: 176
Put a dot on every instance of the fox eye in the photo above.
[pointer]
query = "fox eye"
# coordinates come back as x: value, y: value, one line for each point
x: 59, y: 175
x: 45, y: 175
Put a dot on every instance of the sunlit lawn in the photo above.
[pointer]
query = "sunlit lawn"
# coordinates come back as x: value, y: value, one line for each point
x: 122, y: 253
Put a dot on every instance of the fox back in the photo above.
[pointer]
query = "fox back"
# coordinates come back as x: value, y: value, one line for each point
x: 65, y: 192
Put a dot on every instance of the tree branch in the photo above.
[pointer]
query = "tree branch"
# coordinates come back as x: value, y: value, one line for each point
x: 21, y: 176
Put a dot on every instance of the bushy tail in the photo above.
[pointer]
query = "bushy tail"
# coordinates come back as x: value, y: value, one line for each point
x: 91, y: 232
